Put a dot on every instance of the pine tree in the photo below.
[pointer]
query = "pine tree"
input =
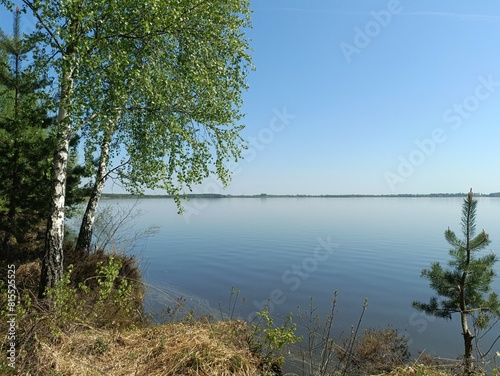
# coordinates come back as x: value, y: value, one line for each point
x: 26, y: 144
x: 464, y: 287
x: 3, y: 107
x: 24, y: 139
x: 164, y: 78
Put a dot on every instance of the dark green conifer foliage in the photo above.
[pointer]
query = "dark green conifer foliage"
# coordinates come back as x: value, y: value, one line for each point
x: 465, y: 286
x: 24, y: 139
x: 26, y: 144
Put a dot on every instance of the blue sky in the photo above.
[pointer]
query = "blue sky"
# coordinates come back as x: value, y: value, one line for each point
x: 389, y: 97
x: 371, y: 97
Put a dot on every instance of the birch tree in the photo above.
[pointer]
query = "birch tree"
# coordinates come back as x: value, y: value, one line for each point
x: 187, y: 94
x: 161, y: 80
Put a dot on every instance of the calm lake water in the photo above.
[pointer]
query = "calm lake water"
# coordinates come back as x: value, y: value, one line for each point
x: 291, y: 249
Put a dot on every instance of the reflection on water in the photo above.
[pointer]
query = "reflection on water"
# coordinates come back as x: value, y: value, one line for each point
x: 289, y: 249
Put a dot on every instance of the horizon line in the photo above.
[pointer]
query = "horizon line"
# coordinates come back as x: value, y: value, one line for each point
x: 222, y: 195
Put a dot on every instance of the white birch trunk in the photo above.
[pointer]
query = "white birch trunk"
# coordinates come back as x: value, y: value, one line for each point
x: 52, y: 263
x: 87, y: 226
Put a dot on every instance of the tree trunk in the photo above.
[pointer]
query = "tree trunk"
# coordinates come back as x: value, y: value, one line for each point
x: 52, y: 262
x: 467, y: 334
x: 468, y: 357
x: 87, y: 226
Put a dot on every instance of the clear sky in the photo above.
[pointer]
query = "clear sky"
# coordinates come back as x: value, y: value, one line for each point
x: 365, y: 81
x: 371, y: 97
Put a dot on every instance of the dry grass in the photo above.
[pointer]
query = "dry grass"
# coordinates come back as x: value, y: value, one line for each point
x: 417, y: 370
x: 108, y: 339
x: 172, y: 349
x: 377, y: 351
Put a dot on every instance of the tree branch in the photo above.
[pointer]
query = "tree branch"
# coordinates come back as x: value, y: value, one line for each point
x: 115, y: 168
x: 39, y: 18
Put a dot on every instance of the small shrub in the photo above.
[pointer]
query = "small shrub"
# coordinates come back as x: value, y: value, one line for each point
x: 115, y: 295
x: 105, y: 298
x: 317, y: 351
x: 63, y: 298
x: 267, y: 339
x: 378, y: 350
x: 99, y: 347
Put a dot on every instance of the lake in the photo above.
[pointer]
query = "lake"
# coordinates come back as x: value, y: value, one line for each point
x: 291, y: 249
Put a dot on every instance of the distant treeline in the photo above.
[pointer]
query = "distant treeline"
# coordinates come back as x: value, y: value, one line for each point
x: 265, y: 195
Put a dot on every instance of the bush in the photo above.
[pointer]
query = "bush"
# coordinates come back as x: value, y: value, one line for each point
x: 104, y: 299
x: 378, y: 350
x: 267, y: 341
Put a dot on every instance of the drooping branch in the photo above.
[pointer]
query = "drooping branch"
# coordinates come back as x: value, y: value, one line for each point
x: 40, y: 19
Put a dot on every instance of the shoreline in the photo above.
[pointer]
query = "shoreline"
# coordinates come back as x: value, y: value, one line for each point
x: 264, y: 195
